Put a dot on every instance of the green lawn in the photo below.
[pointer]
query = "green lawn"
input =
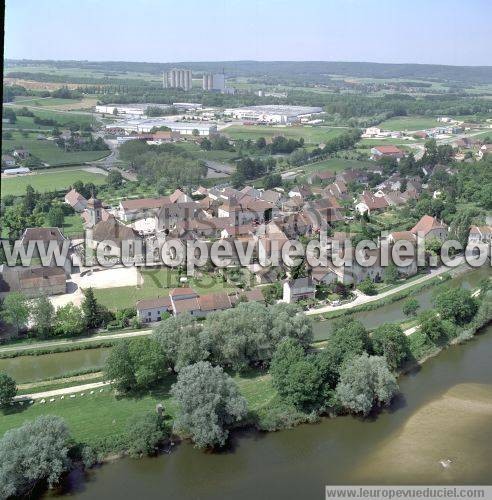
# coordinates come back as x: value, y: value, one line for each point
x: 156, y: 283
x: 313, y: 135
x: 48, y: 180
x: 94, y: 417
x: 62, y: 117
x: 335, y: 165
x: 48, y: 151
x: 409, y: 123
x: 27, y: 122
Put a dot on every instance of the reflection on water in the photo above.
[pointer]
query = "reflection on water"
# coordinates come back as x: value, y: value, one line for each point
x: 32, y: 368
x: 444, y: 410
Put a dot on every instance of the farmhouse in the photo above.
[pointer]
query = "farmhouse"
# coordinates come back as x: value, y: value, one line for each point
x: 76, y: 200
x: 298, y: 289
x: 141, y: 208
x: 32, y: 281
x: 480, y: 234
x: 429, y: 227
x: 390, y: 151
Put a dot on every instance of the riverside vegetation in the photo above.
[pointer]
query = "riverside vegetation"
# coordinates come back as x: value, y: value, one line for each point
x: 355, y: 373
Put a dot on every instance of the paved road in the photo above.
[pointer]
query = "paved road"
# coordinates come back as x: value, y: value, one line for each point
x: 364, y: 299
x: 84, y: 340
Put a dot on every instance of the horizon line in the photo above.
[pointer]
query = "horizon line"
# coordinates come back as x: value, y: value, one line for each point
x: 8, y: 59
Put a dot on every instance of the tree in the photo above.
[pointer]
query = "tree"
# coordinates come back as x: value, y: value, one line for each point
x: 135, y: 365
x: 433, y: 327
x: 295, y: 376
x: 182, y: 341
x: 365, y: 382
x: 35, y: 452
x: 29, y: 199
x: 410, y: 307
x: 69, y: 321
x: 261, y: 143
x: 8, y: 389
x: 90, y: 309
x: 195, y: 132
x: 388, y: 340
x: 208, y: 404
x: 119, y: 369
x: 367, y: 287
x: 56, y: 217
x: 456, y: 304
x: 114, y: 179
x: 390, y: 274
x: 15, y: 310
x: 144, y: 433
x: 460, y: 227
x: 348, y: 339
x: 42, y: 316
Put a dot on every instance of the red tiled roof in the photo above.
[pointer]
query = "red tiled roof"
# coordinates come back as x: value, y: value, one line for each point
x: 144, y: 203
x: 427, y: 224
x: 214, y: 302
x: 154, y: 303
x: 388, y: 150
x: 178, y: 292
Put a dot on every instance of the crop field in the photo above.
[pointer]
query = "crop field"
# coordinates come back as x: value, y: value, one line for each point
x: 48, y: 151
x: 56, y: 103
x: 409, y: 123
x: 311, y: 135
x: 48, y: 180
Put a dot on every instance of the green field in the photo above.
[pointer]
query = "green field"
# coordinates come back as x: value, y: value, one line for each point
x: 45, y: 101
x: 335, y: 165
x: 409, y: 123
x: 48, y: 151
x: 48, y: 180
x: 101, y: 415
x: 156, y: 283
x: 26, y: 122
x: 311, y: 135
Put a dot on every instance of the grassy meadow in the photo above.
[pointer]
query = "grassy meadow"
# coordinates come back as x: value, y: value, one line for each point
x: 311, y: 135
x: 48, y: 180
x: 47, y: 151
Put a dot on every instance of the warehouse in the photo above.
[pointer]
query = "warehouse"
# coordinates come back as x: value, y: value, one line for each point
x: 183, y: 128
x: 128, y: 109
x: 273, y: 113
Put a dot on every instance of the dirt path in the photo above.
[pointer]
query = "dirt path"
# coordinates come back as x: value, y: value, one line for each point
x: 84, y: 340
x: 70, y: 391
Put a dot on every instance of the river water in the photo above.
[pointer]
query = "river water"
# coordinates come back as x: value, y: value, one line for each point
x: 392, y: 313
x: 444, y: 412
x: 32, y: 368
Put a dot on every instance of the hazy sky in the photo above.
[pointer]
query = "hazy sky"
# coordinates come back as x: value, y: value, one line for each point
x: 419, y: 31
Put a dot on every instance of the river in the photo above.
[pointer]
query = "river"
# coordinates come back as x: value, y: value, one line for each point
x: 392, y: 313
x: 444, y: 412
x: 32, y: 368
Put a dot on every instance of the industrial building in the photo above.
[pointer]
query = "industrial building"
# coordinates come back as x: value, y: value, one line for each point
x: 144, y: 126
x: 214, y: 82
x: 177, y: 79
x: 128, y: 109
x: 273, y: 113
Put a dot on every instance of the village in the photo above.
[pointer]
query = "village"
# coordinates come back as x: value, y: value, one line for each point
x: 328, y: 203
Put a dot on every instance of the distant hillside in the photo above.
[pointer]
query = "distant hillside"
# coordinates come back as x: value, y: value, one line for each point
x: 284, y: 69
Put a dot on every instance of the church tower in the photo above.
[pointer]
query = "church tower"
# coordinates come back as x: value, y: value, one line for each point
x: 94, y: 209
